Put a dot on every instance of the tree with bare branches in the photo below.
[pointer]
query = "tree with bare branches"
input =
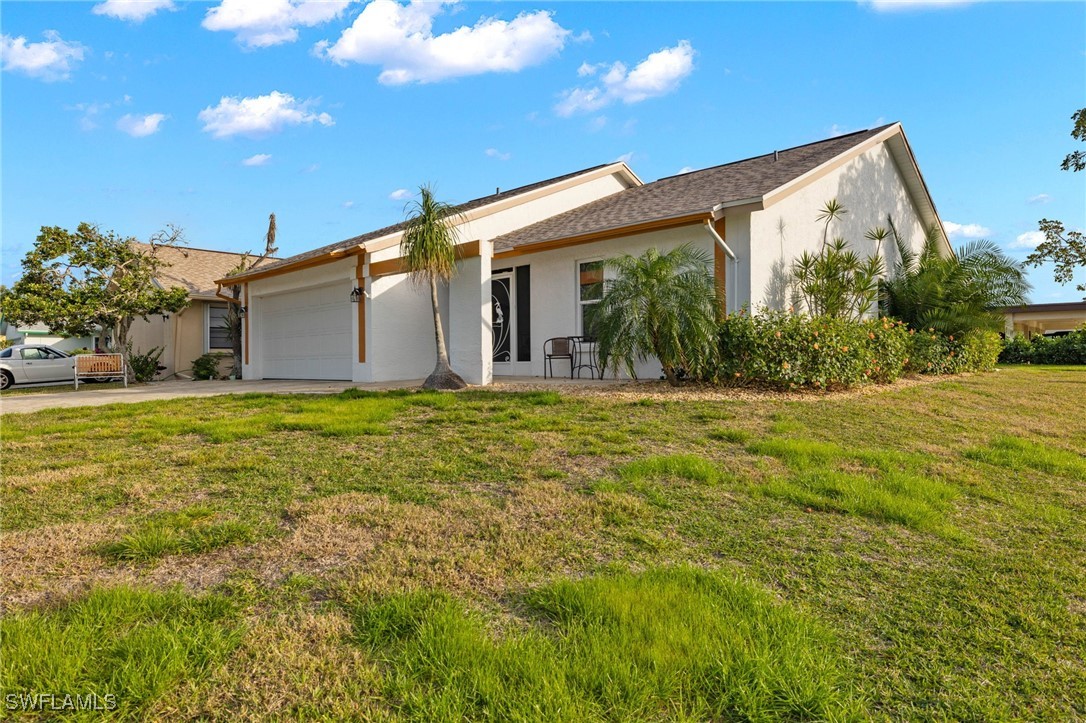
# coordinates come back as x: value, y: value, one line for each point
x: 233, y: 315
x: 90, y: 280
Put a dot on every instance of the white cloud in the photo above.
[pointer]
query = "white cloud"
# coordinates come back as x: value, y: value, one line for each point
x: 965, y: 230
x: 400, y: 39
x: 586, y: 70
x: 400, y: 194
x: 495, y: 153
x: 659, y: 74
x: 135, y: 11
x: 685, y: 169
x: 892, y: 5
x: 1027, y: 240
x: 598, y: 123
x: 259, y: 115
x: 52, y: 59
x: 139, y: 126
x: 625, y: 158
x: 311, y: 168
x: 1039, y: 198
x: 262, y: 23
x: 260, y: 159
x: 89, y: 113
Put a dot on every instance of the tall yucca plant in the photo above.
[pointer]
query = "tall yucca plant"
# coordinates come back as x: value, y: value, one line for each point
x: 428, y: 247
x: 662, y: 305
x: 836, y: 281
x: 953, y: 294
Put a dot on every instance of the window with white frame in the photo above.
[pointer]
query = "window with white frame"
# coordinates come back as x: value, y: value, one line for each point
x: 218, y: 331
x: 589, y: 293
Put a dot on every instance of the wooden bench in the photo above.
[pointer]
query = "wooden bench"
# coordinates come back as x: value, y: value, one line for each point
x: 99, y: 366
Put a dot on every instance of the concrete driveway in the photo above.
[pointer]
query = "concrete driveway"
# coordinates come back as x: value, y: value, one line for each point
x: 88, y: 396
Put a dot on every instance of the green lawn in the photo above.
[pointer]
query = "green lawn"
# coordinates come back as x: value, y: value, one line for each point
x: 908, y: 554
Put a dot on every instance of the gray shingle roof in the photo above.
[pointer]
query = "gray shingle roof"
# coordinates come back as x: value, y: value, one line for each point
x: 689, y: 193
x: 196, y: 270
x: 463, y: 207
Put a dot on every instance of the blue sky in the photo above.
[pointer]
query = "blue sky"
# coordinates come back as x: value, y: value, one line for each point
x: 209, y: 116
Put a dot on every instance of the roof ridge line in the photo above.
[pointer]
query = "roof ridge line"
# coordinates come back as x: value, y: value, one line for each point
x: 778, y: 150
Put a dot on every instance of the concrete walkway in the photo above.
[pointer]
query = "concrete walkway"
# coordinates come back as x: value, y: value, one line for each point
x: 88, y: 396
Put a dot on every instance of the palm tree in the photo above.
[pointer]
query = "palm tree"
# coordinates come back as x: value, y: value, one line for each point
x: 953, y: 294
x: 428, y: 249
x: 661, y: 305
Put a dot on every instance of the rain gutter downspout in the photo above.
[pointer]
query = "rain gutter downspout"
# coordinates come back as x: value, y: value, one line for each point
x: 731, y: 254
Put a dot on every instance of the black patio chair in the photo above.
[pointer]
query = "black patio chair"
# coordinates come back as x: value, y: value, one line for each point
x: 559, y: 347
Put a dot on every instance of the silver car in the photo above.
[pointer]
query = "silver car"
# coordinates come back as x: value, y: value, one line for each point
x: 34, y: 364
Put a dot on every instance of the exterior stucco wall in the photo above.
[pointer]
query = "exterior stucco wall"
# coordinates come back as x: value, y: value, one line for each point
x: 870, y: 187
x: 183, y: 338
x: 737, y: 236
x: 401, y: 328
x: 554, y: 289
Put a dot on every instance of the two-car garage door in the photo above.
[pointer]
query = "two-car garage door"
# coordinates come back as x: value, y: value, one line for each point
x: 308, y: 334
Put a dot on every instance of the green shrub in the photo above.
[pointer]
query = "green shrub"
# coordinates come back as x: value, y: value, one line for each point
x: 1016, y: 350
x: 145, y: 364
x: 980, y: 350
x: 792, y: 350
x: 935, y: 353
x: 206, y: 367
x: 1069, y: 349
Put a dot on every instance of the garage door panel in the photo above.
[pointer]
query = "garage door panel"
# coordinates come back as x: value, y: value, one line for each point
x: 308, y: 333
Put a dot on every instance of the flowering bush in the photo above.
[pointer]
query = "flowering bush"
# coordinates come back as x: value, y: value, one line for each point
x: 792, y: 350
x: 1069, y: 349
x: 935, y: 353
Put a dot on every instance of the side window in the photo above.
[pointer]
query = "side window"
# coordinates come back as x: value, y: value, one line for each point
x: 32, y: 352
x: 6, y: 354
x: 218, y: 335
x: 590, y: 291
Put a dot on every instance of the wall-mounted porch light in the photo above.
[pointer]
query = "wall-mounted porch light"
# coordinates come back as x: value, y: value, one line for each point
x: 356, y: 294
x: 243, y: 310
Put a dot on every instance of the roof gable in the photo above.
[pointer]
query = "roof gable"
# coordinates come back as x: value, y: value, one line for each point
x: 196, y: 270
x: 697, y: 192
x: 477, y: 204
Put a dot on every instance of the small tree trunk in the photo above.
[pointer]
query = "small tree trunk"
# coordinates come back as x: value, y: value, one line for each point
x: 236, y: 336
x: 120, y: 343
x: 442, y: 377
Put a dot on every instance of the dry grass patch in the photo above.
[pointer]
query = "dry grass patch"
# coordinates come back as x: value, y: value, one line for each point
x: 468, y: 543
x: 296, y: 665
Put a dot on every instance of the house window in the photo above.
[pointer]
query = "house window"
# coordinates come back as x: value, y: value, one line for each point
x: 590, y: 291
x: 218, y: 331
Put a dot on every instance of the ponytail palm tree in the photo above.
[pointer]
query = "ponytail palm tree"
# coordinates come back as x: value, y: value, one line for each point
x: 662, y: 305
x: 428, y: 249
x: 953, y: 294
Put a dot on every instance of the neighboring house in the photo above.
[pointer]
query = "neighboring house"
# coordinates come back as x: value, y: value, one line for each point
x: 1051, y: 319
x: 530, y: 260
x: 200, y: 327
x: 42, y: 334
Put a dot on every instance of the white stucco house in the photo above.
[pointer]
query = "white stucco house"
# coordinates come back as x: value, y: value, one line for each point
x: 529, y: 260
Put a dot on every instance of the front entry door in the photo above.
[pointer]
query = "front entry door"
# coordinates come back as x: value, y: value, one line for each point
x: 502, y: 316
